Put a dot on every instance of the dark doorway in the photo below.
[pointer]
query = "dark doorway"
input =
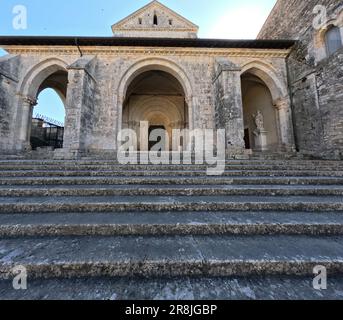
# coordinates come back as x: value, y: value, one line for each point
x: 152, y: 143
x: 247, y: 139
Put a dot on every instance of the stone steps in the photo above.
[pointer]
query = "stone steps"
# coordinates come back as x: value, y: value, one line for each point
x: 318, y: 163
x: 193, y: 173
x: 179, y: 289
x: 171, y: 223
x: 171, y: 256
x: 116, y: 167
x: 88, y: 219
x: 165, y: 180
x: 174, y: 203
x: 167, y: 190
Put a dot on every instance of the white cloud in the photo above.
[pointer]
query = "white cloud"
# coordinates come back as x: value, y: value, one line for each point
x: 239, y: 23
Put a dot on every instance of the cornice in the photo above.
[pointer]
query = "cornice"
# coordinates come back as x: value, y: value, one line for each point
x: 129, y: 51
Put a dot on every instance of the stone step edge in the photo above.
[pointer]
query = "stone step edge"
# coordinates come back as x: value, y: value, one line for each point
x: 157, y: 174
x: 165, y: 268
x: 173, y: 180
x: 162, y: 207
x: 169, y: 190
x: 182, y: 229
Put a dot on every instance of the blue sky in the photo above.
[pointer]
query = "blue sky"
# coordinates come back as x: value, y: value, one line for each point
x: 217, y: 19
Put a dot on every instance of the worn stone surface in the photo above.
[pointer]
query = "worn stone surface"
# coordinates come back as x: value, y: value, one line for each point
x: 252, y: 288
x: 9, y: 72
x: 156, y: 230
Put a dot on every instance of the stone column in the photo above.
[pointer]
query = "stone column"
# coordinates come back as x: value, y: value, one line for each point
x: 285, y: 124
x: 27, y: 106
x: 229, y: 106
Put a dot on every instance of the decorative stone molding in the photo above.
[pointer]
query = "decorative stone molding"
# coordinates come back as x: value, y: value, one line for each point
x: 127, y: 51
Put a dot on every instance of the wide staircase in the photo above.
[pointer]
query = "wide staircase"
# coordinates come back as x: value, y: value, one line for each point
x: 99, y: 230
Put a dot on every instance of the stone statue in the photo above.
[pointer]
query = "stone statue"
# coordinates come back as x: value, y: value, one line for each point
x: 259, y: 120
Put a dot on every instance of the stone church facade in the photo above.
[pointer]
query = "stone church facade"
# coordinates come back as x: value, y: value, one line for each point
x: 154, y: 68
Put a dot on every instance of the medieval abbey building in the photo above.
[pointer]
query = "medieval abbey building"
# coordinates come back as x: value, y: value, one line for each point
x: 156, y: 69
x: 81, y: 224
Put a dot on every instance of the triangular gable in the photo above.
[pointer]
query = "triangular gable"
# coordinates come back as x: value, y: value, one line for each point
x: 144, y: 21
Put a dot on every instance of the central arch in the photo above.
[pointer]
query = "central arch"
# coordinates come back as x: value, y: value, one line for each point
x: 157, y: 91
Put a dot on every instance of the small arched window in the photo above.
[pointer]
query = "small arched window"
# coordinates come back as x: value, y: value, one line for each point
x: 333, y: 40
x: 155, y: 20
x: 140, y: 21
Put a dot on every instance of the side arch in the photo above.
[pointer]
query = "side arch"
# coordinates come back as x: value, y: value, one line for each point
x: 280, y: 100
x: 268, y: 74
x: 31, y: 82
x: 45, y: 74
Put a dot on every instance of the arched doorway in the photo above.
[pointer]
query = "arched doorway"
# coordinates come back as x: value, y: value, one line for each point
x: 158, y: 98
x: 260, y: 115
x: 266, y: 108
x: 47, y: 129
x: 42, y: 130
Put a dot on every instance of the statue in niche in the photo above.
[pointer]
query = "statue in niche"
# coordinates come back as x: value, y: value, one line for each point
x: 259, y: 121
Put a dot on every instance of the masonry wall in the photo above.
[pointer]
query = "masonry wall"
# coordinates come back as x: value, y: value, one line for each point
x: 8, y: 82
x: 316, y: 82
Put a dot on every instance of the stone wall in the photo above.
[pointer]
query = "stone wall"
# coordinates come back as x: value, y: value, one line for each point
x: 9, y: 66
x: 316, y: 81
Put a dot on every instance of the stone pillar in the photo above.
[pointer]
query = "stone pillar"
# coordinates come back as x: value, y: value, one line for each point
x: 285, y: 124
x: 229, y: 106
x: 80, y: 108
x: 27, y: 106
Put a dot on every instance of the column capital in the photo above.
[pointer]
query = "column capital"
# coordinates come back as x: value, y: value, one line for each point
x: 30, y: 101
x: 189, y: 100
x: 281, y: 103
